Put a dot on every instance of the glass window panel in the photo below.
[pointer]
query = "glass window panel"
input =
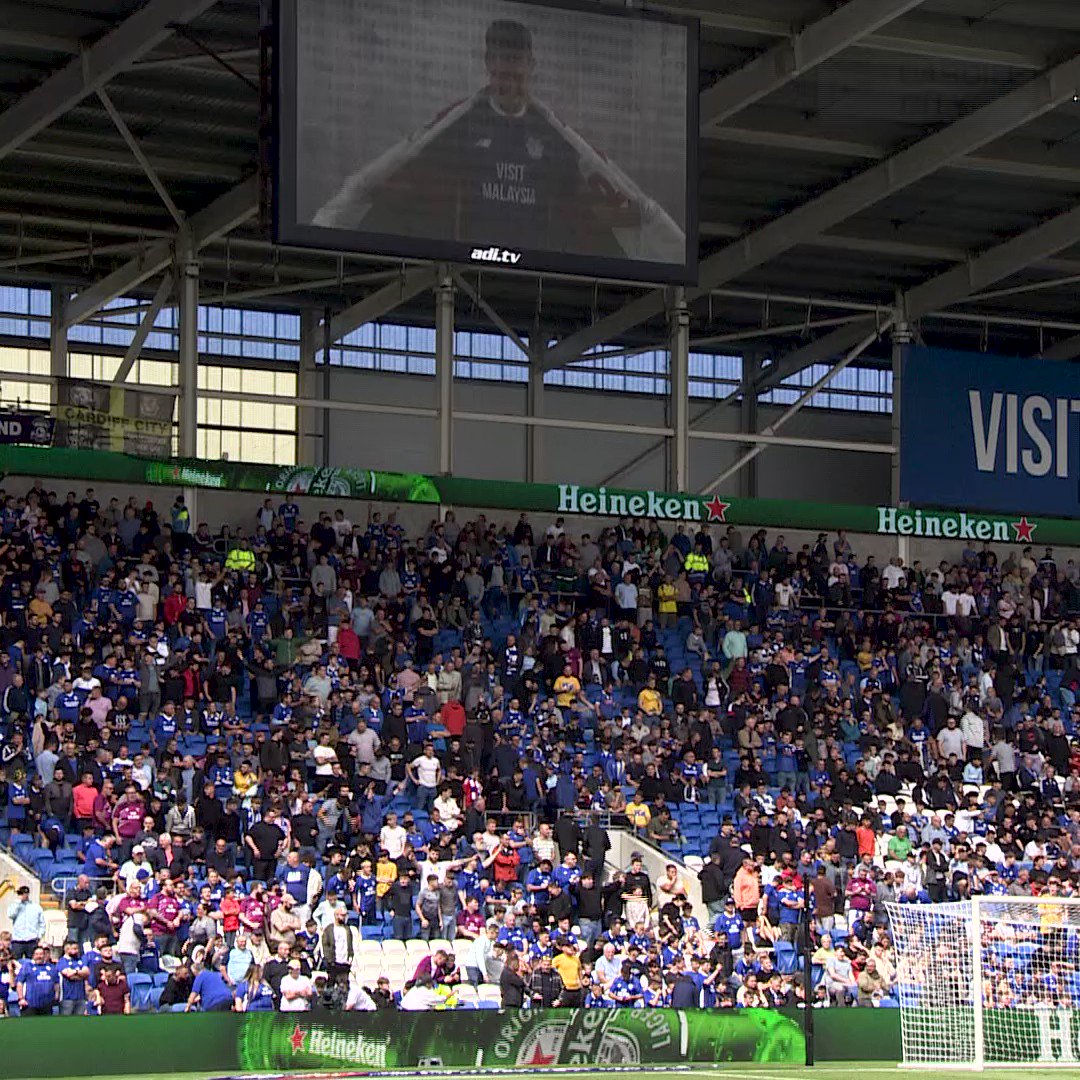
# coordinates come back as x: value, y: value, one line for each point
x: 284, y: 449
x: 230, y: 444
x: 256, y: 446
x: 256, y: 381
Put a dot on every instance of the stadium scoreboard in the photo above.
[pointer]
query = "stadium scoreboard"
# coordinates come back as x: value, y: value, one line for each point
x: 538, y: 136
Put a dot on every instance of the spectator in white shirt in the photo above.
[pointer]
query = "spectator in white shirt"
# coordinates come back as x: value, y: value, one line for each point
x: 950, y: 740
x: 296, y: 990
x: 973, y: 729
x: 392, y: 837
x: 893, y: 574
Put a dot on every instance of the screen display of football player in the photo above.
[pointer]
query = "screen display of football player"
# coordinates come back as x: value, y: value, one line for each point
x: 501, y: 167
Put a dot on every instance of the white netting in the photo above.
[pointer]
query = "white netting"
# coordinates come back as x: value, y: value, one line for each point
x: 1027, y: 963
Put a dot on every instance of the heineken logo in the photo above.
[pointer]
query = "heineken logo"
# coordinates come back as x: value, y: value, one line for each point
x: 952, y: 525
x: 338, y: 1046
x: 575, y: 499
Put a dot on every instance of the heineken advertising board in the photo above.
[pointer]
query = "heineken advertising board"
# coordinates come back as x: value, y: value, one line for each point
x: 518, y: 1038
x: 276, y: 1043
x: 565, y: 498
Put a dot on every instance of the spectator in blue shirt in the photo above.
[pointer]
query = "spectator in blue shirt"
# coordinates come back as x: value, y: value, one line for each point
x: 74, y: 971
x: 37, y: 983
x: 210, y: 992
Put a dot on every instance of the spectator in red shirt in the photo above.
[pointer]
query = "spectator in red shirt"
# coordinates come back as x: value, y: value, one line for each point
x: 113, y: 998
x: 348, y: 643
x: 452, y: 715
x: 506, y: 862
x: 175, y: 603
x: 230, y: 915
x: 83, y: 798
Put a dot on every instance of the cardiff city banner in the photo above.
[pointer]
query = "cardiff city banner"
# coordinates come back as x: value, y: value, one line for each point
x: 375, y: 1043
x: 569, y: 499
x: 20, y: 427
x: 989, y: 432
x: 101, y: 416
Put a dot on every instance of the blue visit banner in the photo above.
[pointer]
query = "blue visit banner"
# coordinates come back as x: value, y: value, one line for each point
x: 990, y: 433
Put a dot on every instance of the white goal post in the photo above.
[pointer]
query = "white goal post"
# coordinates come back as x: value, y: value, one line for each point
x: 990, y: 981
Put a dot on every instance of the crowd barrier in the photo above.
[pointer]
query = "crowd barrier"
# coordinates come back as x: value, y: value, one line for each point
x: 231, y: 1042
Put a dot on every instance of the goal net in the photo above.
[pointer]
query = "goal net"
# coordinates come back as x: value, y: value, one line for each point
x: 990, y: 981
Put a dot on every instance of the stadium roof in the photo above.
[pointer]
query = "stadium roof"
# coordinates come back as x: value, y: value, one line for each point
x: 848, y: 151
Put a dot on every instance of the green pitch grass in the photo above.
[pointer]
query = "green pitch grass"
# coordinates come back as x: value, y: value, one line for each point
x: 849, y: 1070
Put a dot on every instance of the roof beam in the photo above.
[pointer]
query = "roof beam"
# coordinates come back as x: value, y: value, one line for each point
x: 382, y: 301
x: 146, y: 324
x: 938, y: 37
x: 1008, y: 112
x: 789, y: 59
x: 1000, y: 262
x: 825, y: 348
x: 1066, y: 349
x: 97, y: 65
x: 222, y: 216
x: 820, y: 144
x: 951, y: 287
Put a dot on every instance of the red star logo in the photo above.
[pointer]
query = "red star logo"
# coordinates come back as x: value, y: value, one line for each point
x: 717, y: 508
x: 1024, y: 529
x: 540, y: 1058
x: 297, y: 1039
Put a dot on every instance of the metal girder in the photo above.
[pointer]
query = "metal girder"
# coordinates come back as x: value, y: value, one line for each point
x: 31, y: 39
x: 381, y: 301
x: 951, y: 287
x: 791, y: 58
x: 1066, y: 349
x: 139, y: 155
x: 940, y: 37
x: 87, y: 73
x: 996, y: 164
x: 760, y: 447
x: 1054, y: 235
x: 146, y: 324
x: 496, y: 319
x: 820, y: 349
x: 223, y: 215
x: 1008, y: 112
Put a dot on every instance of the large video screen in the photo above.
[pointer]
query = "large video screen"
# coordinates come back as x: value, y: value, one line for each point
x: 530, y: 136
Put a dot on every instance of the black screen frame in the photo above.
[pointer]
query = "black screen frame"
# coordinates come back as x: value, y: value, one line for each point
x: 288, y: 229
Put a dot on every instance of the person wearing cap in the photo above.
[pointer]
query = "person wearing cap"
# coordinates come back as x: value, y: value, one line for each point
x: 137, y: 868
x: 27, y: 924
x: 296, y: 990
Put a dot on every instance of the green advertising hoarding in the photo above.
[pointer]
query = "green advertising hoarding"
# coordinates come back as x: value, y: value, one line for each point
x: 385, y: 1040
x: 567, y: 498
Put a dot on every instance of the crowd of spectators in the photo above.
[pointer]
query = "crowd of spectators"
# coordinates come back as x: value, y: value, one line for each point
x: 240, y: 755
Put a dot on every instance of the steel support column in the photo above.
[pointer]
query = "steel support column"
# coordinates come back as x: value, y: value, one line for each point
x: 901, y: 338
x: 309, y: 419
x: 748, y: 422
x: 58, y: 343
x: 188, y: 377
x: 444, y: 367
x: 679, y: 382
x: 534, y: 436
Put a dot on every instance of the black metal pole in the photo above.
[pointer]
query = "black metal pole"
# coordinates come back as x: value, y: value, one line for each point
x: 808, y: 978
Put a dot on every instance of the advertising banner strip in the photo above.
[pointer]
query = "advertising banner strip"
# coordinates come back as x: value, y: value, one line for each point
x: 513, y: 1038
x: 376, y: 1041
x: 568, y: 498
x: 36, y: 429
